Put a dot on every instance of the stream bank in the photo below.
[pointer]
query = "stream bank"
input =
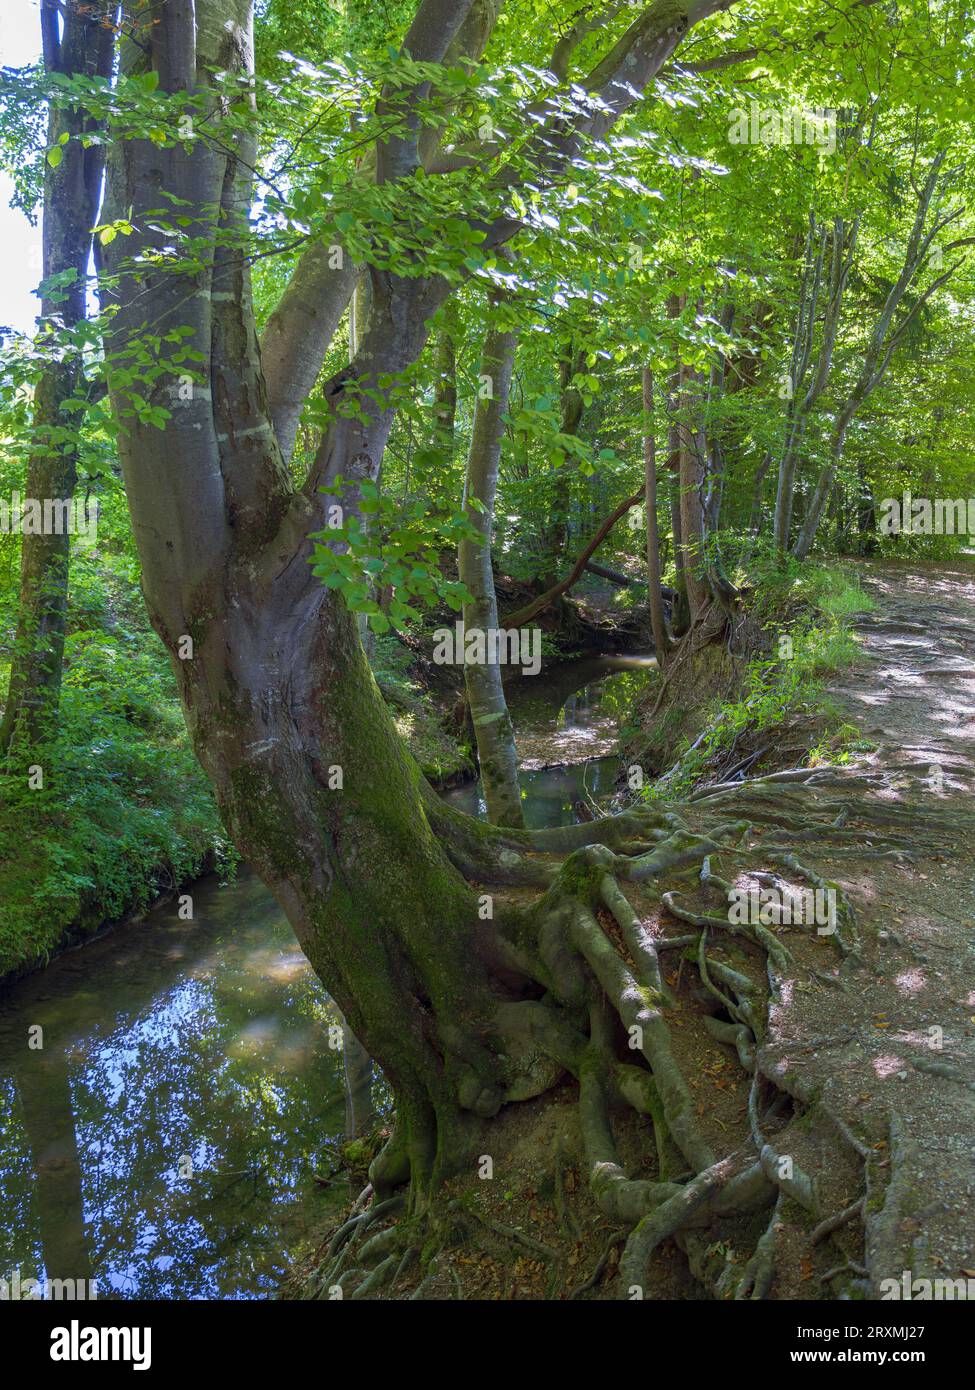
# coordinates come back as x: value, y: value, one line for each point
x: 174, y: 1135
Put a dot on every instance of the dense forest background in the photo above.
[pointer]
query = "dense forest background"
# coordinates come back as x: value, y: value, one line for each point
x: 651, y: 365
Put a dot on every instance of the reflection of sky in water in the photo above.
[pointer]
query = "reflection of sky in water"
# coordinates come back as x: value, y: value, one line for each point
x: 169, y: 1047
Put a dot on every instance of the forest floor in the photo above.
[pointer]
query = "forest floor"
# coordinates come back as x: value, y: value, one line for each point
x: 872, y: 1050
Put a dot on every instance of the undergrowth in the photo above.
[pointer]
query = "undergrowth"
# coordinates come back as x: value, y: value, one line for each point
x: 115, y: 809
x: 799, y: 617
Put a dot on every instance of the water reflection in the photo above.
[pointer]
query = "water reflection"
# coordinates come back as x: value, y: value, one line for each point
x: 567, y: 722
x: 163, y: 1140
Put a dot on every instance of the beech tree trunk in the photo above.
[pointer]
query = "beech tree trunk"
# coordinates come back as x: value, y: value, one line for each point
x: 691, y: 476
x: 658, y: 622
x: 79, y: 46
x: 445, y: 390
x: 555, y: 534
x: 314, y: 784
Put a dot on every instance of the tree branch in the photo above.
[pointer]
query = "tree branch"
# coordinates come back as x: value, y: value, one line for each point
x: 298, y: 333
x: 525, y: 614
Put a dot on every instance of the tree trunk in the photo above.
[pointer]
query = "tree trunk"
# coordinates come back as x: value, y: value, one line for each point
x: 661, y: 637
x: 824, y: 487
x: 802, y: 398
x: 374, y: 872
x: 445, y: 388
x: 485, y: 693
x: 556, y: 533
x: 681, y: 613
x: 691, y: 475
x: 72, y: 192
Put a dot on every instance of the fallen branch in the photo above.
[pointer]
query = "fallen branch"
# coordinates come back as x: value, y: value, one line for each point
x: 525, y: 614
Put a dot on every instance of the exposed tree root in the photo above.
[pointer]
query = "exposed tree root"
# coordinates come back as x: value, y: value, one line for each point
x: 587, y: 995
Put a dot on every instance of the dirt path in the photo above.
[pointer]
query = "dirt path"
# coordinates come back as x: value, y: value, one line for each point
x: 891, y: 1054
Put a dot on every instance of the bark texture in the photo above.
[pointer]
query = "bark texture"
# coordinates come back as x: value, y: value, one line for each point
x: 661, y: 635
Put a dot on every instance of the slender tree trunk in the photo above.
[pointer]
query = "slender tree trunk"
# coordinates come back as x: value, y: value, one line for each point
x: 445, y: 389
x: 658, y: 622
x: 556, y: 533
x: 681, y: 614
x: 866, y: 513
x: 824, y: 487
x: 691, y: 475
x: 713, y: 460
x: 492, y: 724
x: 75, y: 45
x: 802, y: 397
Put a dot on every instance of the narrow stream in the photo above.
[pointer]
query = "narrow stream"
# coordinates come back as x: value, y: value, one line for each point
x: 167, y: 1093
x: 567, y: 724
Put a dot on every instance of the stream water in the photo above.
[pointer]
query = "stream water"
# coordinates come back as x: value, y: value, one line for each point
x: 167, y: 1092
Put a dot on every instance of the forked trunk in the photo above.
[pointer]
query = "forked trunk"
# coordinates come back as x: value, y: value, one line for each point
x: 314, y: 784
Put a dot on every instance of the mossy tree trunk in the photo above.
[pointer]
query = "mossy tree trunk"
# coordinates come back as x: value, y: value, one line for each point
x: 375, y: 874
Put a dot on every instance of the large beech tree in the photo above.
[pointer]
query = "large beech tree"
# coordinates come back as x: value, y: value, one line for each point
x: 384, y: 884
x: 374, y: 874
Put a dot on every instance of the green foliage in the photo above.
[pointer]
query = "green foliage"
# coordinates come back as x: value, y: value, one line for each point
x: 623, y: 255
x: 398, y: 549
x: 121, y: 817
x: 124, y: 811
x: 785, y: 587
